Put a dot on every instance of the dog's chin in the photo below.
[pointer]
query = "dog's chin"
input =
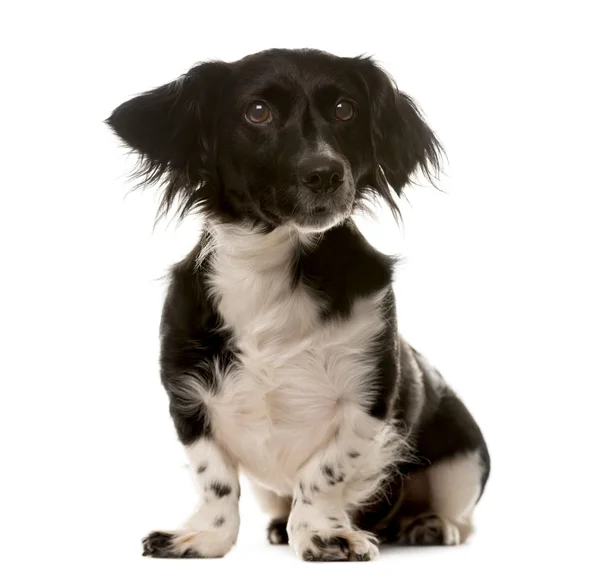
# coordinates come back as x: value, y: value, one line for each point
x: 319, y: 222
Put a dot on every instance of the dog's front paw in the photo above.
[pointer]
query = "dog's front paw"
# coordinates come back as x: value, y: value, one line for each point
x: 167, y: 546
x: 187, y: 544
x: 344, y: 545
x: 208, y: 533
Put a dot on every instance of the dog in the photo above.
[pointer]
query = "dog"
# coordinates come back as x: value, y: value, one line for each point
x: 280, y: 352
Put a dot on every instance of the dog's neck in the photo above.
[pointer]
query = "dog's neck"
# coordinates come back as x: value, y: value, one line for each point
x: 249, y: 247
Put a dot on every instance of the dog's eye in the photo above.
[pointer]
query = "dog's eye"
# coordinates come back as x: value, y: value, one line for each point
x: 258, y: 112
x: 344, y: 110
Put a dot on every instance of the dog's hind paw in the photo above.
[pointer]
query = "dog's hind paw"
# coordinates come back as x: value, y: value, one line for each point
x: 277, y: 532
x: 429, y: 529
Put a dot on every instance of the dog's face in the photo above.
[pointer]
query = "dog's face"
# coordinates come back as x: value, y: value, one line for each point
x: 282, y: 137
x: 292, y: 137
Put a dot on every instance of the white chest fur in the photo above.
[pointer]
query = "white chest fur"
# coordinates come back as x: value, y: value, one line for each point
x: 297, y: 378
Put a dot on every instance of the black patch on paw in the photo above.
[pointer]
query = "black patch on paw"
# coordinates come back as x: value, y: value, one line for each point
x: 327, y: 471
x: 315, y: 488
x: 331, y: 542
x: 306, y: 501
x: 156, y: 542
x: 190, y: 554
x: 160, y: 544
x: 220, y: 489
x: 219, y: 521
x: 426, y: 530
x: 201, y: 468
x: 335, y: 548
x: 301, y: 487
x: 353, y: 454
x: 277, y: 532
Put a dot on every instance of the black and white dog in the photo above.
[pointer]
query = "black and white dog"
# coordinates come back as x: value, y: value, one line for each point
x: 280, y: 351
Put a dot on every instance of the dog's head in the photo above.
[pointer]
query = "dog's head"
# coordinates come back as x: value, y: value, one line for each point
x: 282, y: 137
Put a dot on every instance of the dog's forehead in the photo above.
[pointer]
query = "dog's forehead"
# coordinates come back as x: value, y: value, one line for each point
x: 291, y: 68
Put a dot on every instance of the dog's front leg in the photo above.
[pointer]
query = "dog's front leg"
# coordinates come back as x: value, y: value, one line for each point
x: 213, y: 527
x: 332, y: 484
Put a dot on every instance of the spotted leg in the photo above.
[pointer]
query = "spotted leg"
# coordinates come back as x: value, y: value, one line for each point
x: 212, y: 529
x: 331, y: 484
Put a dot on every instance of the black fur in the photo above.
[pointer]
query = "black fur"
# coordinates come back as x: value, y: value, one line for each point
x: 189, y: 336
x: 220, y: 489
x: 423, y: 530
x: 342, y: 268
x: 336, y: 548
x: 277, y: 532
x: 160, y: 544
x: 191, y: 134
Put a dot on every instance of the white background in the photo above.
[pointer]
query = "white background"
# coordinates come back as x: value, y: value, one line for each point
x: 499, y: 287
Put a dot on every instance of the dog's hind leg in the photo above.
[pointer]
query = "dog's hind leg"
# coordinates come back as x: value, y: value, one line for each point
x: 278, y: 508
x: 449, y: 473
x: 452, y: 488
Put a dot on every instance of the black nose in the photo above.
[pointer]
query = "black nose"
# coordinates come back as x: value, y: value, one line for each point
x: 321, y: 173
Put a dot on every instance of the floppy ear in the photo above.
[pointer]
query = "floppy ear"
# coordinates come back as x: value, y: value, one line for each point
x: 173, y: 130
x: 401, y: 140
